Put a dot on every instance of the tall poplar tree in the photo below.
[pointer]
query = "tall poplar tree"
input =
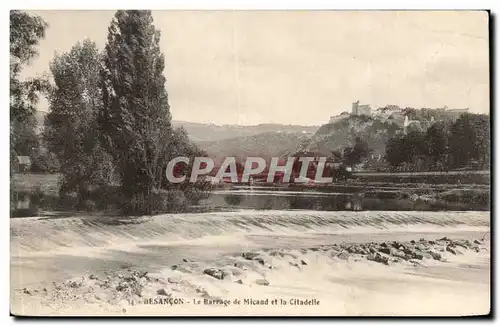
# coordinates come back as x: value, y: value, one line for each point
x: 135, y: 118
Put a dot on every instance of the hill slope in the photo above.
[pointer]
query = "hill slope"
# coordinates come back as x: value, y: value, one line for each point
x: 200, y: 132
x: 268, y: 144
x: 342, y: 134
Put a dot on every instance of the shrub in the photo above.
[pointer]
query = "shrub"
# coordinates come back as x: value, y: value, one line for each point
x: 160, y: 201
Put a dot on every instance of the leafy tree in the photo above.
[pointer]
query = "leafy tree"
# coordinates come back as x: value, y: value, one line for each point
x: 26, y: 31
x: 466, y: 140
x: 470, y: 139
x: 358, y: 153
x: 43, y: 161
x: 23, y: 136
x: 135, y: 119
x: 437, y: 139
x: 72, y: 132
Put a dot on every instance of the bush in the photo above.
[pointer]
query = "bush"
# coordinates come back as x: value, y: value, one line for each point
x: 42, y: 161
x: 160, y: 201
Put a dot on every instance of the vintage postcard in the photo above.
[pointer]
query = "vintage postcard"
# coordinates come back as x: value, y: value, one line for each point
x: 250, y: 163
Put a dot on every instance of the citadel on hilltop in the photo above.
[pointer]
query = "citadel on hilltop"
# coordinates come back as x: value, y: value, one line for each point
x: 403, y: 117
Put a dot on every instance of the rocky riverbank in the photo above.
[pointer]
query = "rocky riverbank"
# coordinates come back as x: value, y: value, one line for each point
x: 243, y: 281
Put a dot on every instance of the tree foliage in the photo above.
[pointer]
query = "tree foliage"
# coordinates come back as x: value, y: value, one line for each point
x: 135, y: 118
x: 358, y: 152
x: 444, y: 145
x: 26, y: 31
x: 72, y: 132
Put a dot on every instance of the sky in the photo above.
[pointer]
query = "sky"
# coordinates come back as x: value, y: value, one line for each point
x: 300, y: 67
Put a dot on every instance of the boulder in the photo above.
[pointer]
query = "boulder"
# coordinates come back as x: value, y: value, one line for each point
x: 163, y: 292
x: 385, y: 250
x: 174, y: 279
x: 451, y: 250
x: 216, y: 273
x: 379, y: 258
x: 249, y: 255
x: 397, y: 253
x: 262, y: 282
x: 343, y: 256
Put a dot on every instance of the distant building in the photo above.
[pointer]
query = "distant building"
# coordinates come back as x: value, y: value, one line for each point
x: 363, y: 109
x: 23, y: 164
x: 454, y: 113
x: 398, y: 118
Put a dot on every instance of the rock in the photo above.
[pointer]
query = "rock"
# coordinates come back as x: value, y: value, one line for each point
x: 249, y: 255
x: 343, y: 256
x: 396, y: 244
x: 379, y: 258
x: 385, y: 250
x: 426, y: 255
x: 185, y: 260
x: 74, y: 284
x: 444, y: 239
x: 215, y: 272
x: 421, y: 247
x: 418, y: 255
x: 122, y: 286
x: 384, y: 245
x: 163, y: 292
x: 397, y: 253
x: 181, y: 269
x: 451, y: 250
x: 26, y: 291
x: 260, y: 260
x: 303, y: 262
x: 262, y: 282
x: 238, y: 265
x: 93, y: 277
x: 432, y: 242
x: 414, y: 262
x: 293, y: 264
x: 276, y: 253
x: 477, y: 242
x: 174, y: 279
x: 239, y: 282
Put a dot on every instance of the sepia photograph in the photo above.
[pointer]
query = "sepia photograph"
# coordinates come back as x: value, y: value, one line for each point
x: 250, y: 163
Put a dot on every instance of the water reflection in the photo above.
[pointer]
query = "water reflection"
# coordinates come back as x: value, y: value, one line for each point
x: 30, y: 204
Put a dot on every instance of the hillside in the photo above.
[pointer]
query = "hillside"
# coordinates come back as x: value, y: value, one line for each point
x: 341, y: 134
x: 200, y: 132
x: 267, y: 144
